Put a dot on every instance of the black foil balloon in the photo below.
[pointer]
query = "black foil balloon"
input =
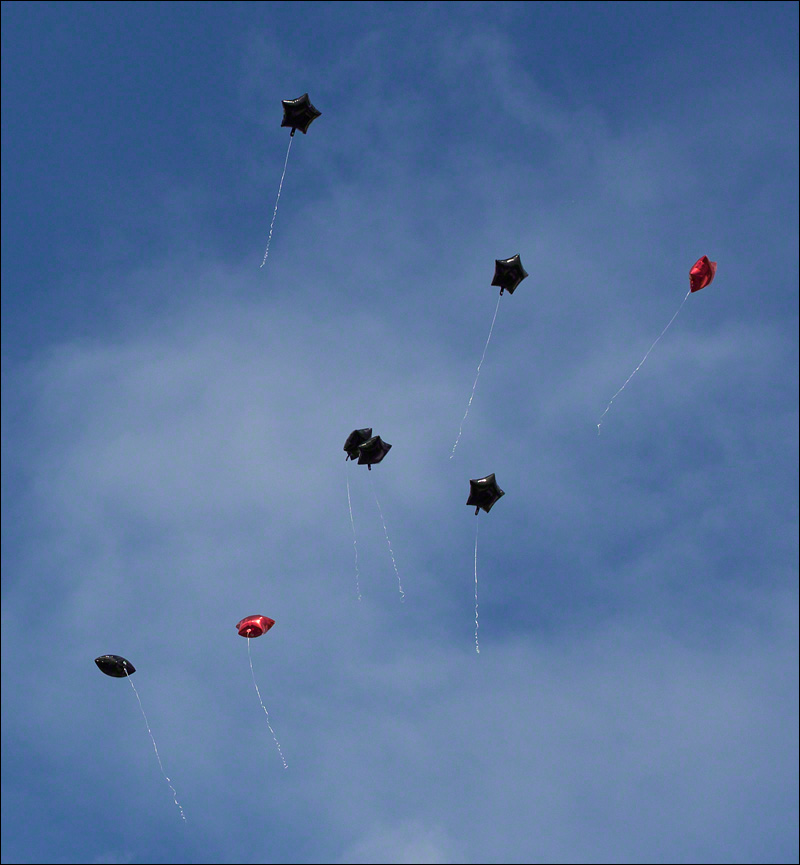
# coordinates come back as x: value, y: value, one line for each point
x: 115, y: 665
x: 372, y: 452
x: 299, y: 113
x: 483, y: 493
x: 356, y: 438
x: 508, y: 273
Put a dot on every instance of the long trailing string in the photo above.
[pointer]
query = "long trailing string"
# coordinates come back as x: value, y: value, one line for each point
x: 275, y: 212
x: 641, y: 362
x: 277, y: 743
x: 155, y: 748
x: 475, y: 383
x: 477, y: 646
x: 391, y: 552
x: 353, y: 526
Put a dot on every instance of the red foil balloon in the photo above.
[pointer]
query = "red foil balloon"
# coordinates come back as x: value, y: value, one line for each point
x: 702, y: 274
x: 254, y: 626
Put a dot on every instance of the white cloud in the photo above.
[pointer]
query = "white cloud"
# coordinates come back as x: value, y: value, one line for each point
x: 409, y: 842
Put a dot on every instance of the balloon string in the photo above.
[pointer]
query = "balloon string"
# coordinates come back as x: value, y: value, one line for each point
x: 477, y: 647
x: 475, y: 384
x: 641, y: 362
x: 275, y: 212
x: 155, y: 748
x: 353, y: 526
x: 391, y: 553
x: 277, y: 743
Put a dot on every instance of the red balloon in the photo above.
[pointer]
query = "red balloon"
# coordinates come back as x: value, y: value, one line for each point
x: 254, y: 626
x: 702, y: 274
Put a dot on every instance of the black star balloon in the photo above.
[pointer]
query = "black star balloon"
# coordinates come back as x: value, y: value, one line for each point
x: 372, y: 451
x: 299, y: 113
x: 508, y: 273
x: 483, y: 493
x: 115, y: 665
x: 356, y: 438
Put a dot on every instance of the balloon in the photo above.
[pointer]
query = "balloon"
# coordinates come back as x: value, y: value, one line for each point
x: 356, y: 438
x: 372, y: 452
x: 483, y: 493
x: 115, y: 665
x: 299, y: 113
x: 508, y: 273
x: 702, y: 273
x: 254, y: 626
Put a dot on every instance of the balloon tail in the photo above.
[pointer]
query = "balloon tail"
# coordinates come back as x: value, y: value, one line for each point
x: 155, y: 748
x: 641, y: 362
x: 275, y: 212
x: 475, y: 383
x: 389, y: 543
x: 477, y: 646
x: 353, y: 526
x: 275, y: 738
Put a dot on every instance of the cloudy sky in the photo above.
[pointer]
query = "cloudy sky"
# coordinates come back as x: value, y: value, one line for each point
x: 173, y: 421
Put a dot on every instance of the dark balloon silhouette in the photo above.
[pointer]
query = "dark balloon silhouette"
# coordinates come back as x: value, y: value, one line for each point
x: 115, y: 665
x: 702, y: 274
x: 356, y: 438
x: 372, y: 452
x: 508, y: 273
x: 299, y: 113
x: 254, y: 626
x: 483, y: 493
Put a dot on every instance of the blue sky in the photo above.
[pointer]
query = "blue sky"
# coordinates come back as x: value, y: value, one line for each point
x: 173, y: 418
